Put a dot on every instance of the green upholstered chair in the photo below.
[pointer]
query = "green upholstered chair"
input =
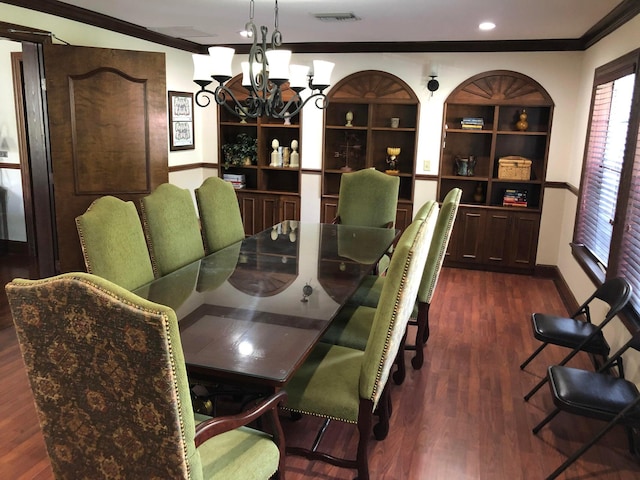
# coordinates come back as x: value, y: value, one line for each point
x: 368, y: 198
x: 113, y: 243
x: 346, y: 384
x: 369, y: 292
x: 171, y: 226
x: 352, y: 325
x: 110, y: 385
x: 220, y: 215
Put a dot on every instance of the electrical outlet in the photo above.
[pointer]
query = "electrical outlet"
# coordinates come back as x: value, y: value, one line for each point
x: 427, y: 165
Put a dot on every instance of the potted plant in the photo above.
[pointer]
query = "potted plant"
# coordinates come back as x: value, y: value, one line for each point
x: 242, y: 152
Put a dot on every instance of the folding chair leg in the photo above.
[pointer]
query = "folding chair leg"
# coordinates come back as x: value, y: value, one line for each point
x: 536, y: 388
x: 547, y: 419
x: 532, y: 356
x: 595, y: 439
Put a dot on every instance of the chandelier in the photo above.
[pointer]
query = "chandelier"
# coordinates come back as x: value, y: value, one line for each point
x: 264, y: 75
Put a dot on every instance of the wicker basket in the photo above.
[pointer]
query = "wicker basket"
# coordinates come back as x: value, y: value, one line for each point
x: 514, y: 168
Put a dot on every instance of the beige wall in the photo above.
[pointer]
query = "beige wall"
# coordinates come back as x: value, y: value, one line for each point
x: 567, y: 76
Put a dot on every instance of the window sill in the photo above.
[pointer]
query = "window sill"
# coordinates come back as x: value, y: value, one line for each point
x: 589, y: 264
x: 595, y: 272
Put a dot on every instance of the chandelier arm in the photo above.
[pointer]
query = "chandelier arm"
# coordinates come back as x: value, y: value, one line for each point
x: 203, y: 97
x: 320, y: 99
x: 223, y: 94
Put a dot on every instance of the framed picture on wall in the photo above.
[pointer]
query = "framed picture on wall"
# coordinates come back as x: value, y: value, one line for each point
x: 181, y: 121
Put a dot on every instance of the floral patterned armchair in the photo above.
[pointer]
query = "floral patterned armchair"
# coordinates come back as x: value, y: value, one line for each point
x: 109, y: 381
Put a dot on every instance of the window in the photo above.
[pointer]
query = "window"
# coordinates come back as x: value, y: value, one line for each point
x: 607, y: 231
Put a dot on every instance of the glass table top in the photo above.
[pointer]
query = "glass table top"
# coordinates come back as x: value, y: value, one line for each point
x: 253, y: 311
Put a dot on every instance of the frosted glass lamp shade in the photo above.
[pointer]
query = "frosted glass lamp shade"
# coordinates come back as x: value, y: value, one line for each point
x: 298, y: 76
x: 202, y: 68
x: 246, y: 72
x: 278, y: 65
x: 221, y: 58
x: 322, y: 73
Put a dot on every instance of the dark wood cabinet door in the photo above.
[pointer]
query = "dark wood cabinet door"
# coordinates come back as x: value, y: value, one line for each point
x: 329, y: 209
x: 290, y: 207
x: 270, y: 211
x: 525, y: 228
x: 263, y: 210
x: 250, y: 213
x: 469, y: 233
x: 496, y: 242
x: 404, y: 215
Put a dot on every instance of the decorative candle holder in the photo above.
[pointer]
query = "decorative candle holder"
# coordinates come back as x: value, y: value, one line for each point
x: 392, y: 160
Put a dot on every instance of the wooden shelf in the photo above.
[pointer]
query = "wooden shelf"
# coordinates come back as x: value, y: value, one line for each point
x: 374, y: 98
x: 488, y: 234
x: 272, y: 194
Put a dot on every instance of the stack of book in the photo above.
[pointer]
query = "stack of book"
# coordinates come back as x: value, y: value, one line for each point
x: 514, y: 198
x: 237, y: 181
x: 472, y: 123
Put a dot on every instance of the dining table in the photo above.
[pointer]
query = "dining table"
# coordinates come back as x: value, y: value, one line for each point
x: 251, y: 313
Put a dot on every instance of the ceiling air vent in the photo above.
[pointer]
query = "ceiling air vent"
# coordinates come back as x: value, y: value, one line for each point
x: 336, y: 17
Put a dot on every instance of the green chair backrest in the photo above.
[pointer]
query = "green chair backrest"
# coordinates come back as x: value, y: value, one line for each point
x: 368, y: 198
x: 439, y: 244
x: 108, y: 377
x: 172, y: 229
x: 396, y: 303
x: 220, y: 215
x: 113, y: 243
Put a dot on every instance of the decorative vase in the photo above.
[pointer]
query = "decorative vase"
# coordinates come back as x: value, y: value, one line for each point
x: 462, y: 166
x: 522, y: 124
x: 478, y: 196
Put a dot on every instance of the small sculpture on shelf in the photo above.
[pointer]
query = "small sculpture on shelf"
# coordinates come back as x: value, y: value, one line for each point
x: 349, y: 150
x: 275, y: 155
x: 392, y: 160
x: 294, y: 160
x: 349, y: 119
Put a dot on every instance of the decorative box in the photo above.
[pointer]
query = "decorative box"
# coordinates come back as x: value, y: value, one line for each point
x: 514, y: 168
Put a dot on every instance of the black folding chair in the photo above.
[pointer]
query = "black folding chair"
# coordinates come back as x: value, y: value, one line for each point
x: 577, y: 334
x: 596, y: 395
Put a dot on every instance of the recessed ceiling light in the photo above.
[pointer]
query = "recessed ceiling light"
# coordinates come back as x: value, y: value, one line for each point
x: 487, y: 26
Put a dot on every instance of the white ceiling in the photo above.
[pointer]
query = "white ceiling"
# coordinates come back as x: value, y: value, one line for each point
x: 219, y: 21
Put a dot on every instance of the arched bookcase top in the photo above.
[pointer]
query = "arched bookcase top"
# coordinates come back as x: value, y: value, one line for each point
x: 500, y: 87
x: 373, y: 86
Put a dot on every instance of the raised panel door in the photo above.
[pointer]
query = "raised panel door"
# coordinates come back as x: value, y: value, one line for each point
x: 524, y: 234
x: 496, y: 239
x: 469, y: 232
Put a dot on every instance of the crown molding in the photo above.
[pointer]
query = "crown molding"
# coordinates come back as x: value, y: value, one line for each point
x: 624, y: 12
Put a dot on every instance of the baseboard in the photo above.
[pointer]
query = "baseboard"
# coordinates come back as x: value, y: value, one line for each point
x: 553, y: 272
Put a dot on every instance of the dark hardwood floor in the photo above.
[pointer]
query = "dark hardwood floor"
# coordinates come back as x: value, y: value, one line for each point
x: 461, y: 417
